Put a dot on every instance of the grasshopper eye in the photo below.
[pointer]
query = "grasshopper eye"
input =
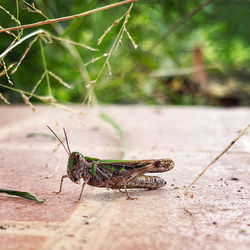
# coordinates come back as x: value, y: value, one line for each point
x: 77, y: 157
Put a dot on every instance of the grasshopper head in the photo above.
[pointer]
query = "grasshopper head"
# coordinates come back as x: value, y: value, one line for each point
x: 77, y: 167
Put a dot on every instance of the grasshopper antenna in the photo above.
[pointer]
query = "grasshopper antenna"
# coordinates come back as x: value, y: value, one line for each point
x: 66, y: 137
x: 68, y: 152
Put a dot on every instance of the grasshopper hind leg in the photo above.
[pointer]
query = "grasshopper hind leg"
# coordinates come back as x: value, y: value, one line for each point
x: 143, y: 181
x: 126, y: 191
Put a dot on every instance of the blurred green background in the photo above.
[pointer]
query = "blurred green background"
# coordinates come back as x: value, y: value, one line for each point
x: 205, y: 61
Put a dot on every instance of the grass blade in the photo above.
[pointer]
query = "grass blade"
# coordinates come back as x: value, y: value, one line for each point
x: 24, y: 195
x: 117, y: 128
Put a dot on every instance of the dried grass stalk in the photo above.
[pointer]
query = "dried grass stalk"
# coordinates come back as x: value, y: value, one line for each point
x: 4, y: 99
x: 26, y: 100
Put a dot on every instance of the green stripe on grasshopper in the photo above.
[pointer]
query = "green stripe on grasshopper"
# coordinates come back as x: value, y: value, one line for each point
x: 93, y: 169
x: 90, y: 159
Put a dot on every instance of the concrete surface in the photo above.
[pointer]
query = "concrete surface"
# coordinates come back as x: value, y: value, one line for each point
x: 104, y: 219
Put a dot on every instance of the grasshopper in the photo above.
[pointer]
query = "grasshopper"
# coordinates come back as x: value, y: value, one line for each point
x: 114, y: 174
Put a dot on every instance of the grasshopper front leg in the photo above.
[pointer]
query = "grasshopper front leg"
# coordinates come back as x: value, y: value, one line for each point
x: 63, y: 177
x: 83, y: 185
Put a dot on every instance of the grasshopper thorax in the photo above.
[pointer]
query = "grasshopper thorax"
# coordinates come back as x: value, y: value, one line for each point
x: 78, y: 167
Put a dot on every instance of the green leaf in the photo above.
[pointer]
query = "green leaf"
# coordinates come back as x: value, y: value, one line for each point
x: 25, y: 195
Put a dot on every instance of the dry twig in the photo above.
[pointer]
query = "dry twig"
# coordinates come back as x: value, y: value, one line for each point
x: 185, y: 192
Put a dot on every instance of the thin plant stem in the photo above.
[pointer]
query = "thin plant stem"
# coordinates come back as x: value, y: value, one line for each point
x: 17, y: 9
x: 37, y: 84
x: 45, y: 67
x: 20, y: 32
x: 20, y: 41
x: 180, y: 22
x: 115, y: 44
x: 73, y: 51
x: 24, y: 54
x: 61, y: 19
x: 211, y: 163
x: 26, y: 93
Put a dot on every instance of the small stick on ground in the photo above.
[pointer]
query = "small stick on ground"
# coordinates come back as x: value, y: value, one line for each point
x: 211, y: 163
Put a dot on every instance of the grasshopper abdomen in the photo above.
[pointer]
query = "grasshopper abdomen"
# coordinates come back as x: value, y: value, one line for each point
x: 150, y: 182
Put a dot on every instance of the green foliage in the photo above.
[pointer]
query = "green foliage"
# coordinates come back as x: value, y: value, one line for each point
x: 24, y: 195
x: 160, y: 70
